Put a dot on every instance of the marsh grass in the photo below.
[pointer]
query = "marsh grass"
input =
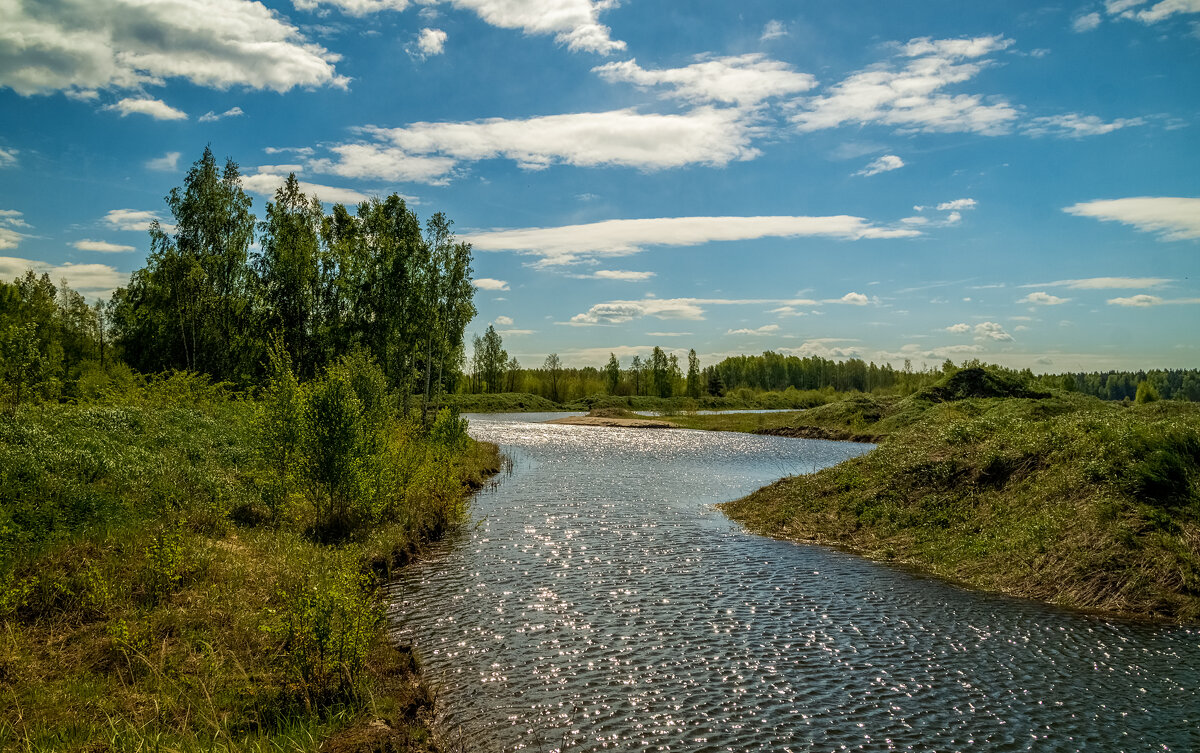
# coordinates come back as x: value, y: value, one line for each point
x: 1061, y: 498
x: 161, y: 587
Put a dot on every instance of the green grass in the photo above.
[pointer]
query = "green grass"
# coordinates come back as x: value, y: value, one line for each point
x: 1061, y: 498
x: 160, y: 587
x: 521, y: 402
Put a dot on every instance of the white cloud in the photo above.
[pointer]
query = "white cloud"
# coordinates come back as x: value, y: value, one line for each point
x: 1142, y: 300
x: 91, y: 280
x: 959, y: 329
x: 578, y: 243
x: 103, y: 247
x: 1086, y: 22
x: 668, y: 334
x: 852, y: 299
x: 766, y: 329
x: 169, y: 162
x: 621, y: 274
x: 353, y: 7
x: 155, y: 108
x: 430, y: 42
x: 574, y: 23
x: 430, y: 152
x: 991, y: 331
x: 1160, y: 11
x: 823, y: 347
x: 1042, y: 298
x: 743, y: 80
x: 211, y: 117
x: 886, y: 163
x: 504, y: 320
x: 302, y: 151
x: 773, y: 30
x: 79, y: 47
x: 1104, y: 283
x: 134, y: 219
x: 267, y: 181
x: 10, y: 238
x: 956, y: 204
x: 1074, y: 125
x: 911, y: 97
x: 8, y: 158
x: 619, y: 312
x: 487, y: 283
x: 1173, y: 218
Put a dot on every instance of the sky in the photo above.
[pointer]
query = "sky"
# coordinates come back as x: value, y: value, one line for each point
x: 1011, y: 181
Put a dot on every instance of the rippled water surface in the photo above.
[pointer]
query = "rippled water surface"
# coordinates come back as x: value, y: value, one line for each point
x: 601, y: 603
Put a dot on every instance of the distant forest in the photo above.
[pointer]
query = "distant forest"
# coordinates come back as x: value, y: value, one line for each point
x: 662, y: 374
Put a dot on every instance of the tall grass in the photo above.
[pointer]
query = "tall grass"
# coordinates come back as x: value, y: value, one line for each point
x: 171, y: 577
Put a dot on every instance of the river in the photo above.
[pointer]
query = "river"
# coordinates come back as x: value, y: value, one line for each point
x: 601, y: 602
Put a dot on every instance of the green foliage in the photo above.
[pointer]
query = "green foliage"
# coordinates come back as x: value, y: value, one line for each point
x: 336, y: 444
x: 449, y: 432
x: 164, y: 564
x: 1145, y: 393
x: 325, y: 629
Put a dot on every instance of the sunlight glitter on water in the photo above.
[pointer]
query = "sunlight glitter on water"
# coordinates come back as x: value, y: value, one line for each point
x: 602, y: 603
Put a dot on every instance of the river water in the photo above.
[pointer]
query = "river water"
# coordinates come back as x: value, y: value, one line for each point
x: 602, y: 603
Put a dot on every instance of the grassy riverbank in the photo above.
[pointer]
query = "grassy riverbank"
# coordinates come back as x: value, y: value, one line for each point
x: 165, y: 584
x: 1056, y: 497
x: 520, y: 402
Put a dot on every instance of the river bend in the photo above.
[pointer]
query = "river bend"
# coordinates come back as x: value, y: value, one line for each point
x: 602, y: 603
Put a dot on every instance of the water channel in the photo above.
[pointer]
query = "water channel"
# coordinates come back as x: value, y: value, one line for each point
x: 600, y: 602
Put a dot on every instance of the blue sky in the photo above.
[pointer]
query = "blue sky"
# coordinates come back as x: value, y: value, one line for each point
x: 1014, y: 182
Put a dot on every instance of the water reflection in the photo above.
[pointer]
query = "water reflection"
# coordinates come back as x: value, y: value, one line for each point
x: 601, y: 603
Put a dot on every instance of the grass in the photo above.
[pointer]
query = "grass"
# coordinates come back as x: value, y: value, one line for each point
x: 160, y: 588
x: 744, y: 399
x: 1060, y: 498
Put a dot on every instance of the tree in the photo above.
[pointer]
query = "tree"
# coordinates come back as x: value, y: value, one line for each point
x: 494, y: 360
x: 1145, y: 393
x: 513, y: 375
x: 553, y: 367
x: 635, y: 374
x: 612, y: 373
x: 693, y: 375
x: 660, y: 373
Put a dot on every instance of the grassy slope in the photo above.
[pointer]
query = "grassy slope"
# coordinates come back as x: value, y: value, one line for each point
x: 1063, y: 498
x: 112, y: 640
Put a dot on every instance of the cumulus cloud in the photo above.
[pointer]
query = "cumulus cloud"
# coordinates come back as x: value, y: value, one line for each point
x: 8, y: 158
x: 1104, y: 283
x: 169, y: 162
x: 103, y: 247
x: 956, y: 205
x: 886, y: 163
x: 610, y: 238
x: 766, y: 329
x: 911, y: 96
x: 270, y: 178
x: 619, y: 312
x: 574, y: 23
x: 134, y: 219
x: 9, y: 236
x: 1086, y: 22
x: 1042, y: 298
x: 488, y: 283
x: 773, y: 30
x: 1143, y: 300
x: 504, y: 321
x: 824, y: 347
x: 991, y: 331
x: 155, y: 108
x: 212, y: 117
x: 1174, y: 218
x: 852, y: 299
x: 429, y: 42
x: 430, y: 152
x: 743, y: 80
x: 959, y: 329
x: 90, y: 280
x: 79, y: 47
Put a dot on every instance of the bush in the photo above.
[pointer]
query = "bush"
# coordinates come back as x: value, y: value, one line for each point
x: 325, y: 629
x: 336, y: 447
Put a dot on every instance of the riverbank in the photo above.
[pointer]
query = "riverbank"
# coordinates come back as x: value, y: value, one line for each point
x: 1055, y: 497
x: 615, y: 422
x: 164, y: 586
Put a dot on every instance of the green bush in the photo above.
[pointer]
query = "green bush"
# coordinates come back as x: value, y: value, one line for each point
x: 336, y: 446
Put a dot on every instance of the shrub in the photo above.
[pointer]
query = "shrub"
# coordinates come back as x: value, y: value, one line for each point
x: 335, y: 449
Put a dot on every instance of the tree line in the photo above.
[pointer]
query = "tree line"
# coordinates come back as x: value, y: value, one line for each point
x: 320, y: 286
